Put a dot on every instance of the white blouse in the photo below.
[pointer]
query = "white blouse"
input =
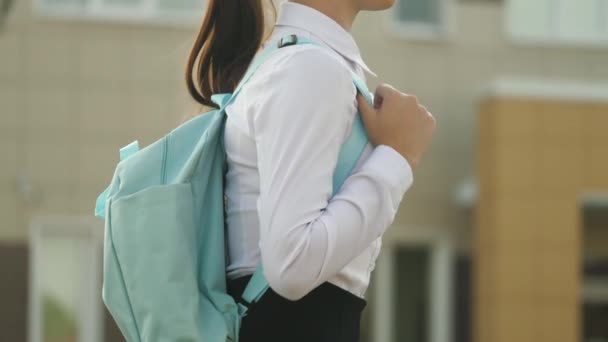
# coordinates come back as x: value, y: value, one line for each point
x: 282, y: 139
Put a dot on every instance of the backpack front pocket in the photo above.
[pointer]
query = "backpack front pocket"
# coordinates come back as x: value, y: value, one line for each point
x: 151, y: 241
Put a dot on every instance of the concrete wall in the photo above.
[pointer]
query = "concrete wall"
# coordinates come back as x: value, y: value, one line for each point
x: 72, y: 93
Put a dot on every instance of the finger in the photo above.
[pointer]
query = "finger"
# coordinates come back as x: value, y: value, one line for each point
x: 362, y: 103
x: 368, y: 113
x: 378, y: 100
x: 384, y: 91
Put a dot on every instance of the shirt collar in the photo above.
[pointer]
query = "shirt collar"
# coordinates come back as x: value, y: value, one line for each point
x: 324, y: 28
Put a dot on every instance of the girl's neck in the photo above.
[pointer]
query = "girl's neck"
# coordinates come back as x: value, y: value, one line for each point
x: 343, y: 12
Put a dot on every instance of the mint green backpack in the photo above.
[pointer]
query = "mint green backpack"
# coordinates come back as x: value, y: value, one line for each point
x: 164, y: 250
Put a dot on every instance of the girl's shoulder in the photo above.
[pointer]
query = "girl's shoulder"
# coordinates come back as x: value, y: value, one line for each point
x: 308, y: 63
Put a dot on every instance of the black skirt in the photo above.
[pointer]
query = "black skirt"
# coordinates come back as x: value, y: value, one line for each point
x: 326, y: 314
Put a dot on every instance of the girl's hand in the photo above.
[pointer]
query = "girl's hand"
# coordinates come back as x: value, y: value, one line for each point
x: 399, y: 121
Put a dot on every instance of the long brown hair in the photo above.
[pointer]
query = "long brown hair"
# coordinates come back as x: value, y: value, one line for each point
x: 230, y: 35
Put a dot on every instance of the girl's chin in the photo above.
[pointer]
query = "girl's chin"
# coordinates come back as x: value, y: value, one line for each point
x: 375, y: 5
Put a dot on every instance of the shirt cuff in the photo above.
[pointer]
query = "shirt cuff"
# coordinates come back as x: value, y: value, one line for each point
x: 392, y: 167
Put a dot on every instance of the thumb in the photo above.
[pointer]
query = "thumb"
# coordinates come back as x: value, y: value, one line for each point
x: 368, y: 113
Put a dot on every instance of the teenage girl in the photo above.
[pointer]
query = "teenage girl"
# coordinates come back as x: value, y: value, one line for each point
x: 282, y: 138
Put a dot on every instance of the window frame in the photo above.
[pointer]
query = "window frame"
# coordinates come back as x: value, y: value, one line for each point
x: 443, y: 252
x: 148, y: 12
x: 553, y: 38
x: 423, y: 31
x: 594, y: 290
x: 90, y: 232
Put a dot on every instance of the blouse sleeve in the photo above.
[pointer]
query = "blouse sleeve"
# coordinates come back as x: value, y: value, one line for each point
x: 300, y: 118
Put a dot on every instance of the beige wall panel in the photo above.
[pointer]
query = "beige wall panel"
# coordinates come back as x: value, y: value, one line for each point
x: 515, y: 118
x: 515, y: 270
x: 558, y: 323
x: 534, y: 216
x: 558, y: 273
x: 517, y: 167
x: 97, y: 162
x: 516, y: 220
x: 561, y: 166
x: 515, y: 319
x: 49, y: 163
x: 596, y: 171
x: 10, y: 104
x: 9, y: 225
x: 8, y: 169
x: 559, y: 220
x: 11, y: 43
x: 596, y: 124
x: 562, y: 123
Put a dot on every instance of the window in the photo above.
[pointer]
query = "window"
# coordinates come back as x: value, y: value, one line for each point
x: 412, y: 302
x: 595, y: 306
x: 179, y: 12
x: 421, y: 19
x: 414, y: 290
x: 563, y: 22
x: 65, y: 282
x: 594, y: 299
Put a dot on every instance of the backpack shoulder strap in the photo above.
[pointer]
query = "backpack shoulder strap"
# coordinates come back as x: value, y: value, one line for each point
x: 350, y: 151
x: 223, y: 100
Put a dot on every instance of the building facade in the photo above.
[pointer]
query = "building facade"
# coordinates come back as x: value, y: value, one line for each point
x: 495, y: 240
